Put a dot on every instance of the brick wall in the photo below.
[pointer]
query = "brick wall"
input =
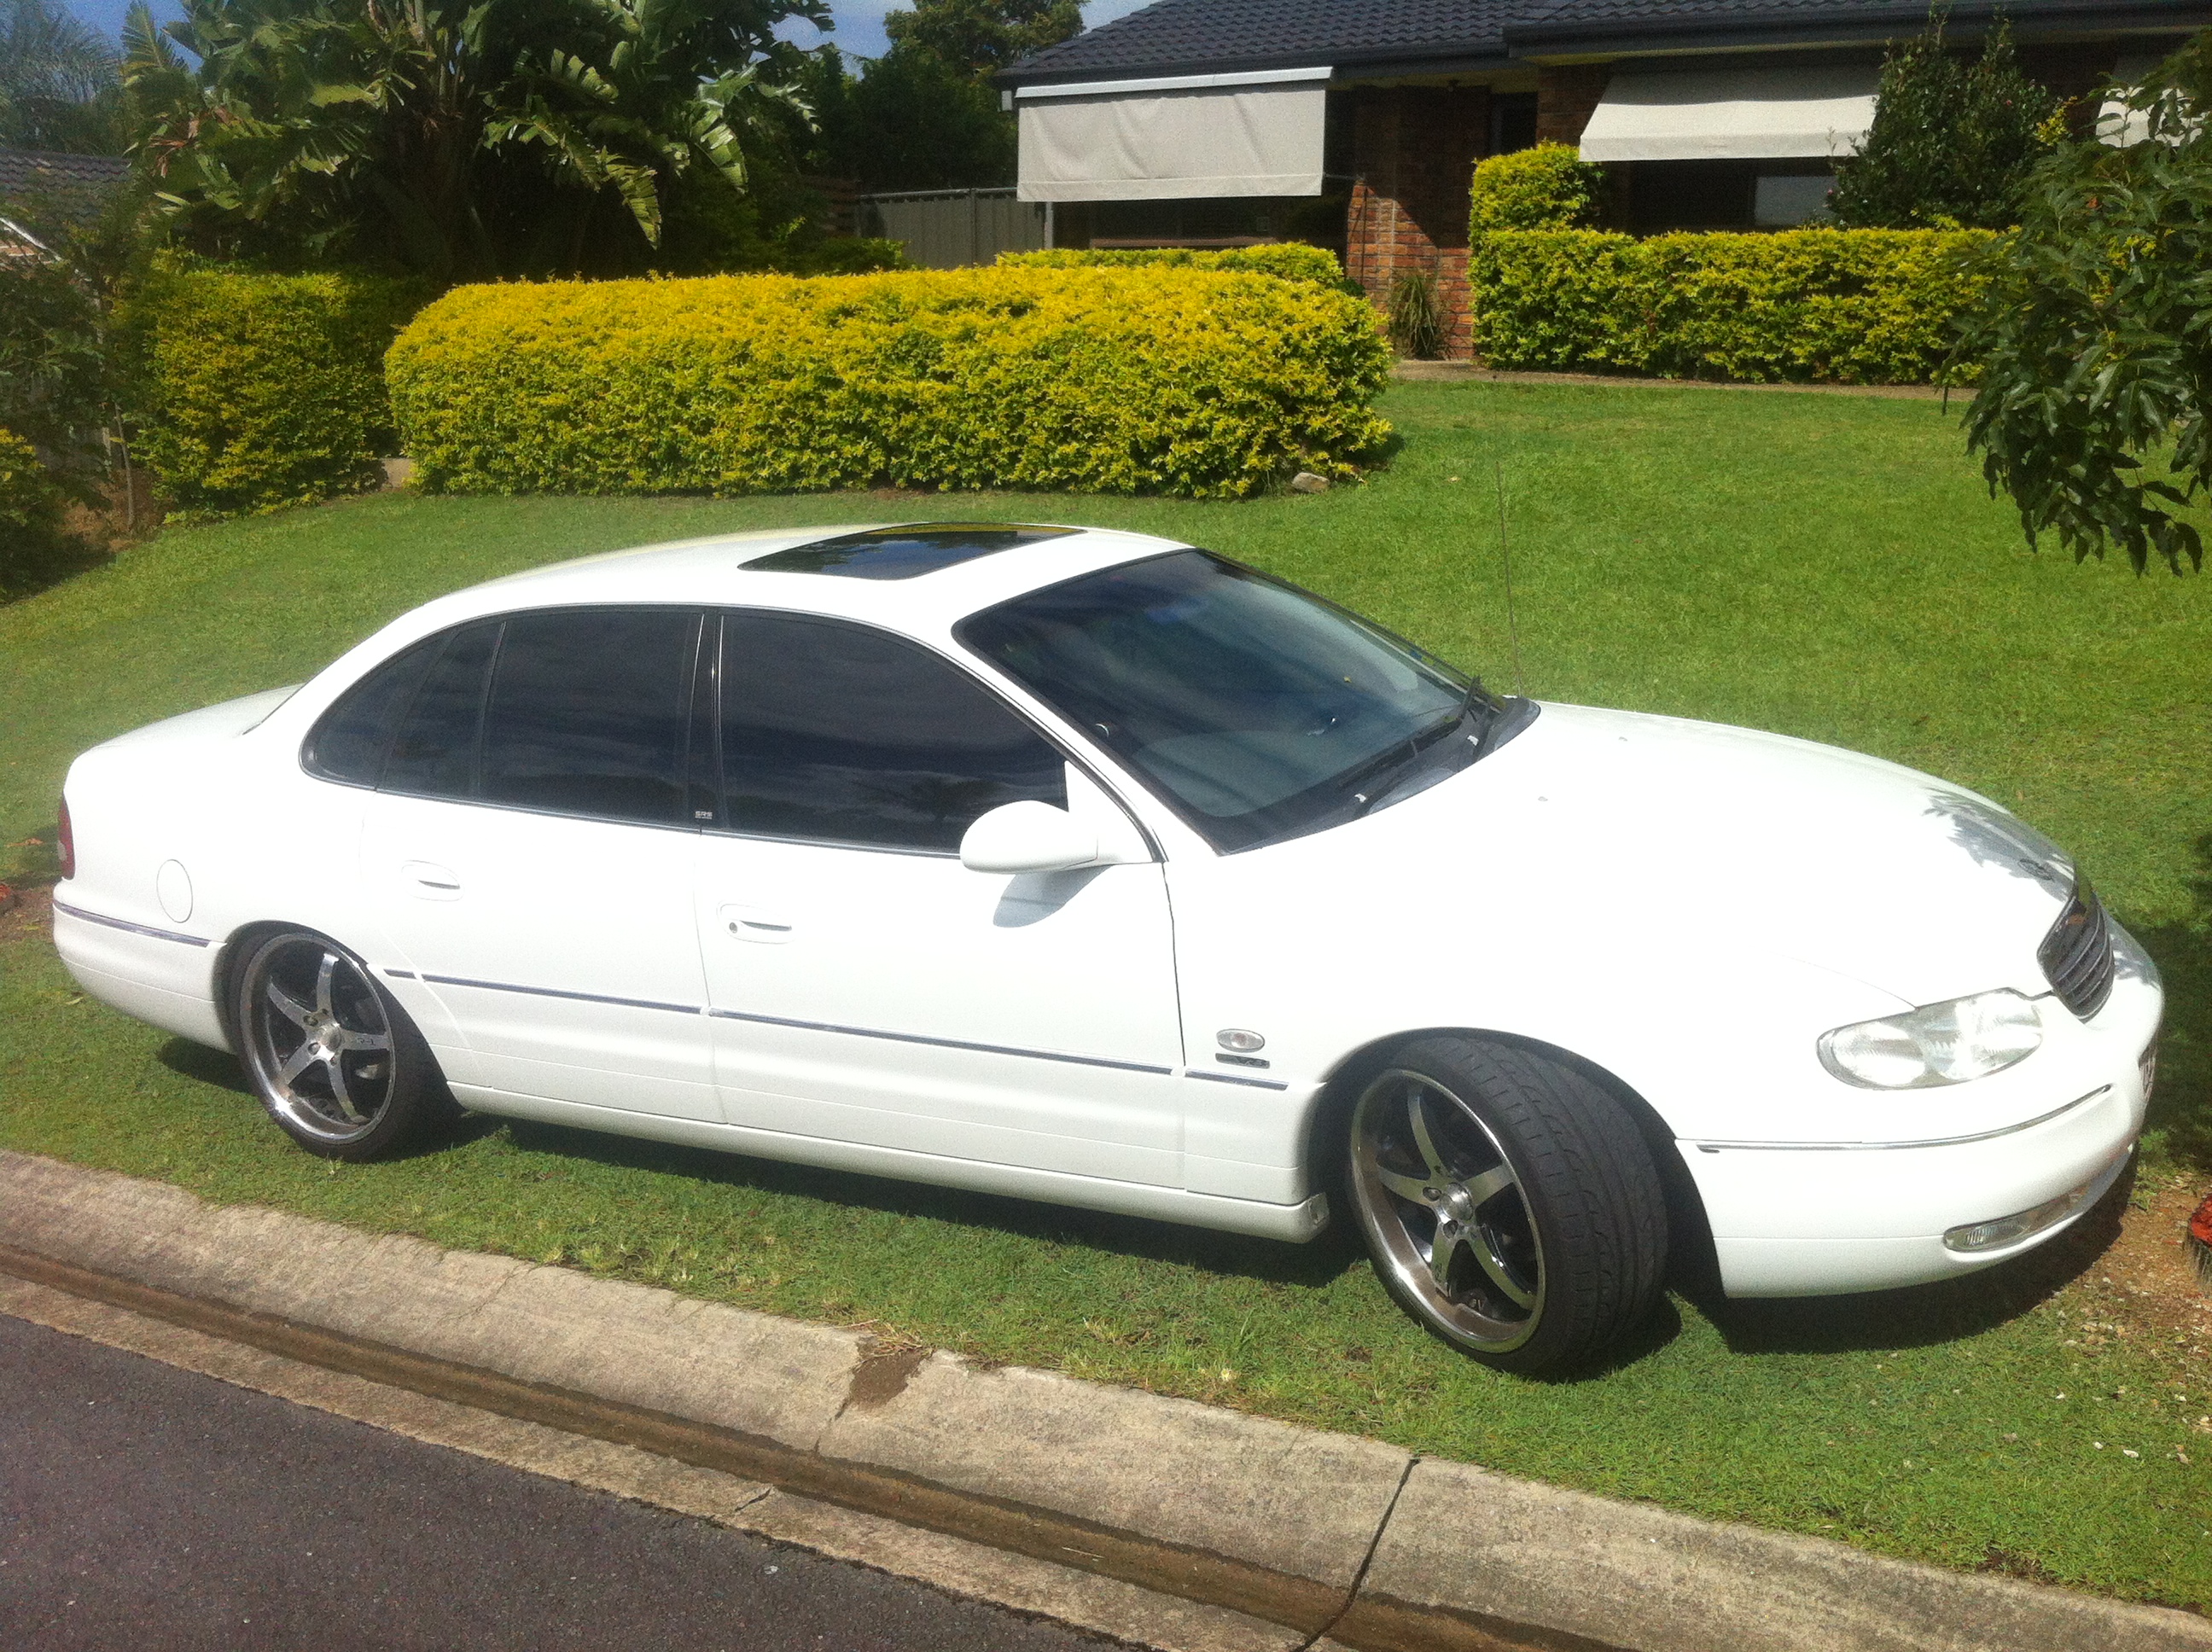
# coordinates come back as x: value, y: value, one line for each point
x: 1565, y: 99
x: 1414, y: 152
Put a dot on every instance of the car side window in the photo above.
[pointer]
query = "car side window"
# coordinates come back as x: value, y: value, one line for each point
x: 838, y: 733
x: 434, y: 752
x: 589, y: 712
x: 350, y: 740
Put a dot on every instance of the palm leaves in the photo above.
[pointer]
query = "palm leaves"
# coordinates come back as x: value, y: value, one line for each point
x: 55, y: 74
x: 387, y: 120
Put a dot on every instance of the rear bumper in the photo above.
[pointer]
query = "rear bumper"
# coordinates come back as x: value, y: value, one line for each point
x: 160, y: 975
x: 1822, y: 1221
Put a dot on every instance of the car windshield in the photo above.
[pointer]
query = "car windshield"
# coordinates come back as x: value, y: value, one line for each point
x: 1257, y: 711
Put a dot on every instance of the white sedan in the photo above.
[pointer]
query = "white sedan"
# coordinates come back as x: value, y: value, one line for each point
x: 1089, y: 867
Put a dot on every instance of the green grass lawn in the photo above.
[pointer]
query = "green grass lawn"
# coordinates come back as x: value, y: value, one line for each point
x: 1825, y: 566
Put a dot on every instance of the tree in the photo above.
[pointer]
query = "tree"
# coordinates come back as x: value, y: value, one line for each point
x: 908, y: 121
x: 1952, y: 142
x: 452, y: 137
x: 924, y: 115
x: 57, y: 81
x: 983, y: 36
x: 2094, y: 411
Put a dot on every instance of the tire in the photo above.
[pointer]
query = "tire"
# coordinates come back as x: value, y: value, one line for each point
x: 335, y: 1059
x: 1549, y: 1211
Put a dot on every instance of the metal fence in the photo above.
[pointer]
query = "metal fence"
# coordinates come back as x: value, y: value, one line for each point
x: 948, y: 228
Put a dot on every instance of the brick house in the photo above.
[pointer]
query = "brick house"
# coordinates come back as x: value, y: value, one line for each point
x: 1355, y: 123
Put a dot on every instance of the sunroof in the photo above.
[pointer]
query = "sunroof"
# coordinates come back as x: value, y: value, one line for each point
x: 904, y: 552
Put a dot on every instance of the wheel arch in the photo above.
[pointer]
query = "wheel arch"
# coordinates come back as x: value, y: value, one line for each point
x: 1689, y: 1231
x: 230, y: 954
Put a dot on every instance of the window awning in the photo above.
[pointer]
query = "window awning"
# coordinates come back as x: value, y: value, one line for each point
x: 1174, y: 139
x: 1733, y: 115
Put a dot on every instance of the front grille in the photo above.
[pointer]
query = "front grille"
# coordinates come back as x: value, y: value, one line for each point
x: 2077, y: 954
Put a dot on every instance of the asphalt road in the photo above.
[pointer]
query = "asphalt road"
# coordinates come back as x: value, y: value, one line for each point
x: 148, y: 1507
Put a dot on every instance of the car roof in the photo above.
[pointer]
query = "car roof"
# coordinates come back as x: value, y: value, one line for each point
x: 722, y: 570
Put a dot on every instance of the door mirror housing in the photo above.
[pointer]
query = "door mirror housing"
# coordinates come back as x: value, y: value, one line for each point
x: 1029, y: 836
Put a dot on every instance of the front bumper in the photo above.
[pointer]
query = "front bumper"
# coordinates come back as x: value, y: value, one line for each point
x: 1813, y: 1221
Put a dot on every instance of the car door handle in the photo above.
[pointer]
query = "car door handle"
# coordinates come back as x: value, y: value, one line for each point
x: 428, y: 881
x: 756, y: 924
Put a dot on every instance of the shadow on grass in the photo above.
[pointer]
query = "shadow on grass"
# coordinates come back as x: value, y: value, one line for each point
x: 1273, y: 1262
x: 1924, y: 1314
x: 221, y: 1070
x: 2181, y: 1105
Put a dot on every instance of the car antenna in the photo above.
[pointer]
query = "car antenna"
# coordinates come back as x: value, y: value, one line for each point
x: 1505, y: 557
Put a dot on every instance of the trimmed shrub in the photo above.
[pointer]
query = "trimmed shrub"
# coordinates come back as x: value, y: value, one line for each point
x: 1550, y: 187
x: 1195, y: 382
x: 1847, y: 307
x: 30, y: 517
x: 1285, y: 260
x: 259, y: 392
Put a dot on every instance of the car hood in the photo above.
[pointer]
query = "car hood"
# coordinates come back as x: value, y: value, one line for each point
x: 1673, y: 838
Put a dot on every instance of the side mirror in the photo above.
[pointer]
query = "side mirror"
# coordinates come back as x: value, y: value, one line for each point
x: 1019, y: 837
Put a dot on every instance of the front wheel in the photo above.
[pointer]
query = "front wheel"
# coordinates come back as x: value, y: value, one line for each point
x: 1509, y: 1204
x: 332, y: 1056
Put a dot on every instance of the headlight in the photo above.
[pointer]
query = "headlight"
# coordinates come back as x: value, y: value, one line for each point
x: 1936, y: 1044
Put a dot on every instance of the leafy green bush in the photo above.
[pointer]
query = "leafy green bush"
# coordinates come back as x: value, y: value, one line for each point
x: 1197, y: 382
x: 1849, y: 307
x: 1550, y: 187
x: 1952, y: 141
x: 1285, y: 260
x: 2095, y: 407
x: 30, y: 516
x: 261, y: 391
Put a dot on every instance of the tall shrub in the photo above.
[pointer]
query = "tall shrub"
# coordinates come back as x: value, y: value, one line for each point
x: 1952, y: 141
x: 2095, y: 407
x: 1550, y: 187
x: 259, y: 392
x: 1201, y: 383
x: 1850, y: 306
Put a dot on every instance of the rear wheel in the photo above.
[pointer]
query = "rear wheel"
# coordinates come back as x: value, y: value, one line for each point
x: 333, y: 1057
x: 1509, y: 1202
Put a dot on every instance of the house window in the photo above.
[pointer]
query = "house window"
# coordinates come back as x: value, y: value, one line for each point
x: 1512, y: 123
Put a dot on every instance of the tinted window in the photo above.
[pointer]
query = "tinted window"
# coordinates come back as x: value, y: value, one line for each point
x: 1257, y: 710
x: 846, y: 735
x: 435, y: 753
x: 350, y: 742
x: 587, y: 714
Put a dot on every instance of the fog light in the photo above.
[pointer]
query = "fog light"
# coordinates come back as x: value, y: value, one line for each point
x: 2147, y: 1065
x: 2011, y: 1229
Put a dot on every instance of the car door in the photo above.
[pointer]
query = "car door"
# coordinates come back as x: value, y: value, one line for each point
x: 530, y: 853
x: 865, y: 987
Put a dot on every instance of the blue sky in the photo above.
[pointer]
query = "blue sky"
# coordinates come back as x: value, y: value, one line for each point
x: 860, y: 22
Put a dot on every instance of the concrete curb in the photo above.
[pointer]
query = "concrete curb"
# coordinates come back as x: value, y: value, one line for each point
x: 1325, y: 1534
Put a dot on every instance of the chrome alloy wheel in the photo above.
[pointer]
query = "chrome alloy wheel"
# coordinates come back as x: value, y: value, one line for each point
x: 1445, y: 1212
x: 317, y: 1038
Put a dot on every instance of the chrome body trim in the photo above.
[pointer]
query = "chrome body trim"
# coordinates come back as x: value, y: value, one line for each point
x: 1900, y: 1146
x: 135, y: 929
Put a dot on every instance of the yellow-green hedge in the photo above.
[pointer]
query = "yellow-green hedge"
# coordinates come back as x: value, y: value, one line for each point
x: 1144, y: 381
x: 1285, y: 260
x: 1845, y: 306
x: 262, y: 391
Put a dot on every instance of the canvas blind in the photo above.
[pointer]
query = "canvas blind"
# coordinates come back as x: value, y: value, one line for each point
x: 1733, y: 115
x: 1174, y: 139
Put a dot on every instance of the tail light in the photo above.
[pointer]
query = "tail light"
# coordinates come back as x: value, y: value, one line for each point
x: 66, y: 847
